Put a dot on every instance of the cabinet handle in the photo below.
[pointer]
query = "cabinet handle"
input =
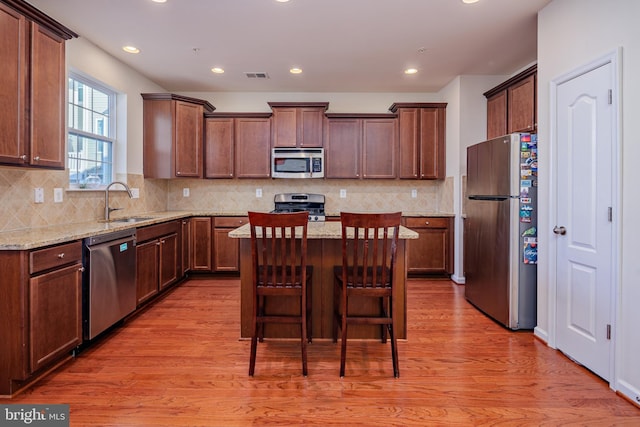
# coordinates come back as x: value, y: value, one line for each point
x: 157, y: 243
x: 23, y: 157
x: 162, y: 241
x: 36, y: 158
x: 426, y: 222
x: 81, y: 269
x: 61, y: 255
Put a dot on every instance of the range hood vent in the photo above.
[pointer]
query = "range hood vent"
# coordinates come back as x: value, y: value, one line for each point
x: 257, y: 75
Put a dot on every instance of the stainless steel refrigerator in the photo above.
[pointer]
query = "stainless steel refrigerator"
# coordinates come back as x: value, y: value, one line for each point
x: 500, y: 235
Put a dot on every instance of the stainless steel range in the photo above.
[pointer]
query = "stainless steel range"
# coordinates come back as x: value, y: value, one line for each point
x: 297, y: 202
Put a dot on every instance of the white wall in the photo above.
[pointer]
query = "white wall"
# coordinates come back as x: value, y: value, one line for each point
x: 572, y: 33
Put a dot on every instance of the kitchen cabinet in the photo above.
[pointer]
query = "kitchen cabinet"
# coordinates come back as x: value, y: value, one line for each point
x: 298, y: 124
x: 252, y: 143
x: 32, y: 87
x: 361, y: 146
x: 173, y: 135
x: 511, y: 106
x: 421, y: 140
x: 432, y: 252
x: 226, y: 251
x: 201, y: 244
x: 41, y: 311
x: 220, y: 143
x: 158, y: 259
x: 185, y: 246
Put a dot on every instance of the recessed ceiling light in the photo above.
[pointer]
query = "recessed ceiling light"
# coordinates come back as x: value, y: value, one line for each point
x: 217, y: 70
x: 295, y: 70
x: 282, y: 1
x: 159, y: 1
x: 131, y: 49
x: 470, y: 1
x: 411, y: 71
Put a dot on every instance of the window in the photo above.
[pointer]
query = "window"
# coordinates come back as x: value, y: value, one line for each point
x: 91, y: 135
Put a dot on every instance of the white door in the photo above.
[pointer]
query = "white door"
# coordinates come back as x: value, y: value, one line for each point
x: 584, y: 226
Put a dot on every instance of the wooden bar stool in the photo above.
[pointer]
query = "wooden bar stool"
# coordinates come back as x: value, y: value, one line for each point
x: 369, y: 243
x: 279, y: 256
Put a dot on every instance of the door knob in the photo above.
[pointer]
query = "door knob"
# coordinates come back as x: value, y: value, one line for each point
x: 560, y: 230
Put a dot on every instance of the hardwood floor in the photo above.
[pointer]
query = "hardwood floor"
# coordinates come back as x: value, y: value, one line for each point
x: 180, y: 363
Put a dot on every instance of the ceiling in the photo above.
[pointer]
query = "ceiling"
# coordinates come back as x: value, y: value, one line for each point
x: 341, y: 45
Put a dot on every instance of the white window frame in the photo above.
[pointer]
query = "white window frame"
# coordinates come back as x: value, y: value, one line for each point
x: 111, y: 139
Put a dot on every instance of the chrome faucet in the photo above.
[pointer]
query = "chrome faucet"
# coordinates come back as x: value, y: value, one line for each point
x: 107, y: 209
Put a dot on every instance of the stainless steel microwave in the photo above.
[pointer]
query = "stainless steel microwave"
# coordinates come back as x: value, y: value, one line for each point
x: 297, y: 163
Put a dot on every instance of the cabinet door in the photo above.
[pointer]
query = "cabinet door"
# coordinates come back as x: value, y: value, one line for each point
x: 13, y: 87
x: 497, y: 115
x: 310, y: 127
x: 185, y: 242
x: 253, y: 147
x: 201, y: 244
x: 55, y: 314
x: 168, y: 260
x: 342, y: 148
x: 432, y: 143
x: 146, y: 270
x: 379, y: 148
x: 432, y: 252
x: 226, y: 250
x: 284, y: 131
x: 409, y: 143
x: 47, y: 99
x: 521, y: 104
x: 188, y: 139
x: 218, y: 148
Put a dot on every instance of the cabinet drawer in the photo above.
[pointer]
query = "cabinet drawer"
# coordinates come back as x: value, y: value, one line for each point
x: 56, y: 256
x: 230, y: 221
x: 154, y: 231
x: 427, y: 222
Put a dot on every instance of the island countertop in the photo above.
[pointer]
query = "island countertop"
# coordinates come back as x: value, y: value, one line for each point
x: 319, y: 230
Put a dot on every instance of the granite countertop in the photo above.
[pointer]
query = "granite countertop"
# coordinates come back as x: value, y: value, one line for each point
x: 32, y: 238
x: 319, y: 230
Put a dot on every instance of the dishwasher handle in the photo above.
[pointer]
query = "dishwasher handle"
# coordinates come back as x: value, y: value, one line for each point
x: 117, y: 242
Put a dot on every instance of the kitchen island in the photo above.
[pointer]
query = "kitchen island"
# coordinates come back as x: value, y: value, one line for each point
x: 323, y: 252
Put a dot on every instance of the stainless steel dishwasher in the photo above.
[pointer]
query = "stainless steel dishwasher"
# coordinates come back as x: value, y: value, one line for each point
x: 109, y: 282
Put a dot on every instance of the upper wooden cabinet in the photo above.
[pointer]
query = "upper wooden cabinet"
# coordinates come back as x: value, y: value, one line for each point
x: 511, y: 106
x: 421, y: 140
x: 32, y: 87
x: 253, y: 159
x: 220, y: 143
x: 172, y: 135
x: 361, y: 146
x: 298, y: 124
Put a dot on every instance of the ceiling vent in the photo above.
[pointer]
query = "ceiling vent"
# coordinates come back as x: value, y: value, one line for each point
x: 259, y: 75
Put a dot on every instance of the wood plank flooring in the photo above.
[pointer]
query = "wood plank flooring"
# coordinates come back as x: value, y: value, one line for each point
x: 180, y: 363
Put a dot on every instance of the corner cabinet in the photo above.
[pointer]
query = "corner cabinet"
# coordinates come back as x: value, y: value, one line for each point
x: 432, y: 252
x: 511, y: 106
x: 173, y: 135
x: 299, y: 124
x: 32, y: 87
x: 422, y: 145
x: 361, y: 146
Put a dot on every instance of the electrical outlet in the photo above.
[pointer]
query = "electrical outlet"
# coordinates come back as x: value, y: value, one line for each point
x: 135, y: 193
x: 258, y: 193
x: 39, y: 195
x: 343, y: 193
x: 185, y: 192
x: 57, y: 195
x: 414, y: 193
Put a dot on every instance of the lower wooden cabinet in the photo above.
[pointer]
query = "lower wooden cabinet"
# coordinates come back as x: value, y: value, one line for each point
x: 226, y: 251
x: 432, y: 252
x: 158, y: 259
x: 201, y: 244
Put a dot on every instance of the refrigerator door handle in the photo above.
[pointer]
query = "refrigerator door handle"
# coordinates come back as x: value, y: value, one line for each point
x: 560, y: 230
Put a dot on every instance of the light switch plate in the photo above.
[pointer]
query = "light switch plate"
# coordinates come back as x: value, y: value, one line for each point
x: 343, y: 193
x: 185, y: 192
x: 258, y: 193
x: 57, y: 195
x: 39, y: 195
x: 414, y: 193
x: 135, y: 193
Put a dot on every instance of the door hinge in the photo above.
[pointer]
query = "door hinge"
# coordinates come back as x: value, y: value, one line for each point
x: 608, y: 332
x: 610, y: 97
x: 610, y: 214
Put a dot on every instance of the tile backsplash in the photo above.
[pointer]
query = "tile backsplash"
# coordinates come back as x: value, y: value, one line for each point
x: 226, y: 196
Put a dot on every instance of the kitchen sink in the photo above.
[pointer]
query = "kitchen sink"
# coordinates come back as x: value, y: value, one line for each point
x: 132, y: 219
